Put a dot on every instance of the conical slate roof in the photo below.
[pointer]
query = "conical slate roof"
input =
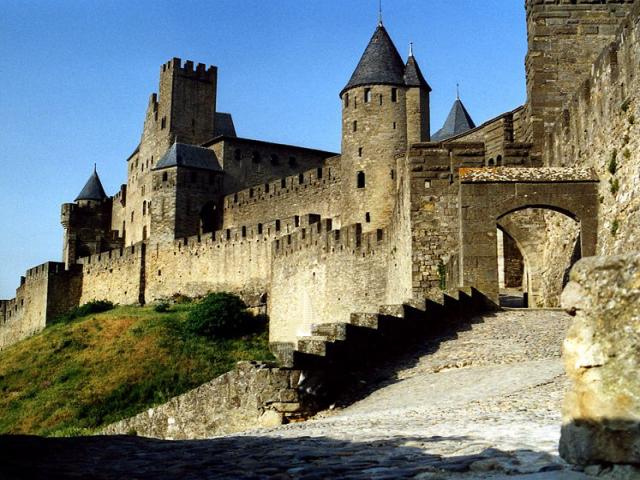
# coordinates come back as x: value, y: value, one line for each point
x: 380, y: 64
x: 93, y: 189
x: 413, y: 75
x: 458, y: 121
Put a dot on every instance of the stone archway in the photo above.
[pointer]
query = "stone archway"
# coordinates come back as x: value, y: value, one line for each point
x: 487, y: 195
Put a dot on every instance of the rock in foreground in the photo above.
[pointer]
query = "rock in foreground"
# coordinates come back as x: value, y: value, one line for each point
x: 601, y: 417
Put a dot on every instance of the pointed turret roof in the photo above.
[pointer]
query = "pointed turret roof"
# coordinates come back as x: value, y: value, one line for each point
x: 190, y: 156
x: 380, y: 64
x: 458, y: 121
x: 413, y: 75
x: 93, y: 189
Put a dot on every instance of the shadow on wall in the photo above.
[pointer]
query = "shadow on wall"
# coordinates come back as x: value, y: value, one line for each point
x: 250, y: 457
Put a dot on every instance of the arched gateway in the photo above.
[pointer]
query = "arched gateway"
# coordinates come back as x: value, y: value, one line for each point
x: 487, y: 195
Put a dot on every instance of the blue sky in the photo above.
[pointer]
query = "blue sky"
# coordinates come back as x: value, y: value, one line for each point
x: 75, y: 78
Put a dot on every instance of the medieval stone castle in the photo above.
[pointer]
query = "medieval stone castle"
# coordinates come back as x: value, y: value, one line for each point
x: 399, y: 216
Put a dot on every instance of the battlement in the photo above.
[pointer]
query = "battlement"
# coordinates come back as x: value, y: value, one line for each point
x: 199, y: 71
x: 293, y: 183
x: 44, y: 270
x: 320, y: 235
x: 106, y: 258
x: 573, y: 3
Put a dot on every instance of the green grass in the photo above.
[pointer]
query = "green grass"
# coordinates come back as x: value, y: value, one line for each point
x: 76, y: 377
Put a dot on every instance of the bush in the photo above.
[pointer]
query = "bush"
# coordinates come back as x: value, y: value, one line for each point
x: 96, y: 306
x: 219, y: 315
x: 162, y: 307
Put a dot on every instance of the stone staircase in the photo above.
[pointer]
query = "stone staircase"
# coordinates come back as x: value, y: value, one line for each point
x: 372, y: 336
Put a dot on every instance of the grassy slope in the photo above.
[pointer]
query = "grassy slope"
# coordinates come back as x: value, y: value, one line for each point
x: 73, y: 378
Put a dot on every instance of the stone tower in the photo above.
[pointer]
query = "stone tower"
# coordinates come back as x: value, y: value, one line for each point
x: 184, y: 110
x: 382, y: 97
x: 87, y: 223
x: 565, y: 38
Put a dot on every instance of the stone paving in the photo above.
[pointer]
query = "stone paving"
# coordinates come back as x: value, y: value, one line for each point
x: 484, y: 405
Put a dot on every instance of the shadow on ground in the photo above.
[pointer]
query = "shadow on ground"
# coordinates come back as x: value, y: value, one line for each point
x: 249, y: 457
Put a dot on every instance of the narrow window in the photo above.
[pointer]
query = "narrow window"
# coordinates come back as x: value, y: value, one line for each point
x: 266, y: 188
x: 165, y: 177
x: 283, y: 183
x: 355, y: 125
x: 346, y: 100
x: 244, y: 232
x: 132, y: 216
x: 228, y: 234
x: 393, y: 174
x: 251, y: 193
x: 144, y: 232
x: 296, y: 221
x: 360, y: 180
x: 237, y: 154
x: 277, y: 225
x: 235, y: 198
x: 380, y: 99
x: 367, y: 217
x: 256, y: 157
x: 319, y: 173
x: 394, y: 95
x: 395, y: 125
x: 301, y: 179
x: 163, y: 123
x: 259, y: 229
x: 360, y: 152
x: 379, y: 234
x: 367, y: 95
x: 144, y: 208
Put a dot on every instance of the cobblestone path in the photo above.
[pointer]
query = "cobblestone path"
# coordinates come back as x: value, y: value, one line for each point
x: 484, y: 405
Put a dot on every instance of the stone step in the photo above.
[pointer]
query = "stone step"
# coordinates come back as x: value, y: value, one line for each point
x: 367, y: 320
x: 313, y: 345
x: 332, y: 331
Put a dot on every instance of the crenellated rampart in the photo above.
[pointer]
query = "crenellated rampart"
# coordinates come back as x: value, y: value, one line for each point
x: 316, y: 190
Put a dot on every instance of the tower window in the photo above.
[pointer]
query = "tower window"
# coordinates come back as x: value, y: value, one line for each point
x: 296, y: 221
x: 346, y: 100
x: 144, y: 208
x: 132, y: 216
x: 355, y: 125
x: 259, y: 229
x: 266, y: 188
x: 237, y: 154
x: 395, y: 125
x: 360, y: 151
x: 367, y: 95
x: 360, y: 180
x: 283, y: 183
x: 277, y: 225
x: 163, y: 123
x: 393, y: 174
x: 244, y: 232
x: 251, y: 193
x: 380, y: 99
x: 394, y: 94
x: 301, y: 178
x: 367, y: 217
x: 165, y: 176
x: 319, y: 173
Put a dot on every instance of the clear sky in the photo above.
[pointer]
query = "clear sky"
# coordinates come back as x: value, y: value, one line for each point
x: 76, y: 75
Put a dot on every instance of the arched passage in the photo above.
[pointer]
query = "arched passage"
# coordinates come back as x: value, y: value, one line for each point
x: 487, y: 197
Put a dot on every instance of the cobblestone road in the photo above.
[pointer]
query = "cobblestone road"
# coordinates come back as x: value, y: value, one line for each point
x: 484, y: 405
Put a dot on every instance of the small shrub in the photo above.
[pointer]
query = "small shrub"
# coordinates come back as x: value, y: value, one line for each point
x: 601, y: 198
x: 162, y: 307
x: 614, y: 185
x: 179, y: 298
x: 613, y: 162
x: 614, y: 227
x: 625, y: 105
x: 625, y: 140
x: 632, y: 119
x: 219, y: 315
x: 626, y: 154
x: 96, y: 306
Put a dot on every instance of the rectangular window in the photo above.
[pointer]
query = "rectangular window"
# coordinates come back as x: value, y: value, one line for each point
x: 367, y: 95
x: 394, y: 95
x: 355, y: 125
x: 346, y: 100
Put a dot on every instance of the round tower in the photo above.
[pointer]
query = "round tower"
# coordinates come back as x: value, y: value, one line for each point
x: 374, y: 132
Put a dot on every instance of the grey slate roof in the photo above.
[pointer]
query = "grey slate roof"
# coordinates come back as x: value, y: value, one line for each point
x: 224, y: 125
x: 413, y: 75
x: 93, y: 189
x: 190, y: 156
x: 380, y: 64
x: 458, y: 121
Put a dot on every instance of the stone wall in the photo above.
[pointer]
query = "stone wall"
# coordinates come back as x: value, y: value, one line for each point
x: 316, y: 190
x: 565, y: 38
x: 601, y: 415
x: 45, y: 292
x: 321, y: 275
x: 115, y: 276
x: 600, y: 128
x: 252, y: 395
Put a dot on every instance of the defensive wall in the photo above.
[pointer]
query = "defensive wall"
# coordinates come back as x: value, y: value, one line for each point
x: 45, y: 292
x: 599, y: 127
x: 317, y: 190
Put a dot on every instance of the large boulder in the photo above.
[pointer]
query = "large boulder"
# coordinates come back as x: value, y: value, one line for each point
x: 601, y: 414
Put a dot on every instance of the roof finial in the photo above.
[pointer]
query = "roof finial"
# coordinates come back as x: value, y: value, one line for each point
x: 95, y: 167
x: 379, y: 13
x: 458, y: 91
x: 411, y: 49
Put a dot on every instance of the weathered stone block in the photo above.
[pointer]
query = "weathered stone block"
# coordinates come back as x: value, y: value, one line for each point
x: 601, y: 413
